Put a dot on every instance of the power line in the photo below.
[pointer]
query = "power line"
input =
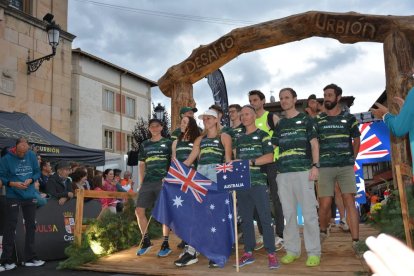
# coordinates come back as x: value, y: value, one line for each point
x: 178, y: 16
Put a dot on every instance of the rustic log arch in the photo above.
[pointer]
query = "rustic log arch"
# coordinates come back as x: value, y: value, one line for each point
x: 395, y: 32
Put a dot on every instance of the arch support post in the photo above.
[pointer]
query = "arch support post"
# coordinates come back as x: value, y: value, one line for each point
x: 398, y: 59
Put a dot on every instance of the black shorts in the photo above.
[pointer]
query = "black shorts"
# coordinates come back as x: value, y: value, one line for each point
x: 148, y: 194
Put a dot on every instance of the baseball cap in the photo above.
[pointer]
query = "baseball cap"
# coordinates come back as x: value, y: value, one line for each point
x: 186, y: 109
x: 209, y: 112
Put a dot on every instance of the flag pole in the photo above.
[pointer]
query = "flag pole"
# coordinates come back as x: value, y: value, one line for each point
x: 146, y: 228
x: 235, y: 229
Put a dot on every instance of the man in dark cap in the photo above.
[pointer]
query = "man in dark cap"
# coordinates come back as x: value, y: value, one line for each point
x: 184, y: 111
x: 312, y: 106
x: 19, y: 170
x: 59, y: 185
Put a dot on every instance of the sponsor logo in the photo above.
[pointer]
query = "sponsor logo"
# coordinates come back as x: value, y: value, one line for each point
x: 69, y: 221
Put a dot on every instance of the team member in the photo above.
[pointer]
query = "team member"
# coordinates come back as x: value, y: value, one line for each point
x: 211, y: 148
x: 184, y: 111
x: 255, y: 145
x: 339, y: 140
x: 296, y: 137
x: 154, y: 159
x: 267, y: 121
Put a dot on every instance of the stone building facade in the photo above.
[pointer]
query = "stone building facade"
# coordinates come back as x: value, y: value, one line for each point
x: 45, y: 95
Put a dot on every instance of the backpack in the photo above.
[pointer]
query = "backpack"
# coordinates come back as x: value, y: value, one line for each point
x: 270, y: 121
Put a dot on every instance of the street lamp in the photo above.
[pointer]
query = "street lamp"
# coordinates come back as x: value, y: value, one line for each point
x: 159, y: 112
x: 53, y: 33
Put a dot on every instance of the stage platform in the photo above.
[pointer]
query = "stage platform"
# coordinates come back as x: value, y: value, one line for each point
x: 338, y: 258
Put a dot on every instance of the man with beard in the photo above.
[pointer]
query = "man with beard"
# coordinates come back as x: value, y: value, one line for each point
x: 339, y: 140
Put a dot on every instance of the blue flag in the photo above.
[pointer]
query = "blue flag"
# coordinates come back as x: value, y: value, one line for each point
x: 234, y: 175
x: 197, y: 213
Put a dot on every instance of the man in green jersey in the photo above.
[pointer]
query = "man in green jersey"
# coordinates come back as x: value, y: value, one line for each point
x: 255, y: 145
x: 154, y: 159
x: 339, y: 140
x: 236, y: 125
x: 184, y: 111
x: 298, y: 164
x: 266, y: 122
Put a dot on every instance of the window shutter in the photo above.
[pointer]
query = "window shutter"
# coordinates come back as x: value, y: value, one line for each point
x: 117, y: 103
x: 123, y: 104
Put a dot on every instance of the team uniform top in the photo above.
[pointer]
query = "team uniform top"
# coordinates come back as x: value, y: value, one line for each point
x: 211, y: 151
x: 252, y: 146
x: 292, y: 135
x: 335, y: 139
x: 157, y: 157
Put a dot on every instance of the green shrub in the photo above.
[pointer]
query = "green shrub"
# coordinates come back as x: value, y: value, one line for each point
x: 108, y: 234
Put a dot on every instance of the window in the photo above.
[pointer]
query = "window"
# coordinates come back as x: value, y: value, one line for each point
x: 21, y: 5
x: 130, y: 107
x: 130, y: 141
x: 108, y: 139
x: 108, y: 100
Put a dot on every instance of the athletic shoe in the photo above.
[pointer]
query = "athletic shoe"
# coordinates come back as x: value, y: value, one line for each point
x: 279, y: 243
x: 34, y: 262
x: 289, y: 258
x: 10, y: 266
x: 182, y: 244
x: 273, y: 261
x: 145, y: 247
x: 186, y: 259
x: 2, y: 268
x: 165, y: 250
x: 259, y: 243
x: 343, y: 225
x: 246, y: 259
x: 212, y: 264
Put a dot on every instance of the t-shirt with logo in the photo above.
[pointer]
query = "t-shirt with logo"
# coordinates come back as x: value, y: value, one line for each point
x: 183, y: 150
x: 211, y: 151
x: 252, y: 146
x: 175, y: 134
x: 335, y: 139
x: 157, y: 157
x: 236, y: 132
x: 293, y: 136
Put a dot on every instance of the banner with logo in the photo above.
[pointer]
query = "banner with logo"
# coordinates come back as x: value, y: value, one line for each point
x: 218, y: 87
x: 55, y: 226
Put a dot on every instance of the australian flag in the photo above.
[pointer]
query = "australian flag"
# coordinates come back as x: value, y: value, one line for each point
x: 191, y: 206
x: 374, y: 148
x: 234, y: 175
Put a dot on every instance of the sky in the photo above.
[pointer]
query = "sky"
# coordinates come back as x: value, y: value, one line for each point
x: 149, y: 36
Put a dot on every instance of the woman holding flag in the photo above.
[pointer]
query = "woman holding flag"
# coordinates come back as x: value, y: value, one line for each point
x: 211, y: 148
x: 183, y: 145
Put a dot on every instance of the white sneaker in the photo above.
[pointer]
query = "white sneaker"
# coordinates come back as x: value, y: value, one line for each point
x: 34, y: 262
x: 279, y: 243
x: 343, y: 225
x: 10, y: 266
x: 259, y: 243
x: 2, y: 268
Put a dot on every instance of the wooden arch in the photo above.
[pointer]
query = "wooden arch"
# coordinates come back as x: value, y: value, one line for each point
x: 395, y: 32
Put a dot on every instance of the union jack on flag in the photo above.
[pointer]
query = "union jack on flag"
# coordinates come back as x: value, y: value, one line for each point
x: 374, y: 144
x: 224, y: 167
x: 189, y: 179
x: 374, y: 148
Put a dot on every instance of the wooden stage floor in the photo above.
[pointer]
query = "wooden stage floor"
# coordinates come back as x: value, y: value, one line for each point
x: 337, y: 259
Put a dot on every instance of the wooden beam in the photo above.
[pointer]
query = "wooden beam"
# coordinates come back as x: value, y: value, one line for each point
x: 398, y: 58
